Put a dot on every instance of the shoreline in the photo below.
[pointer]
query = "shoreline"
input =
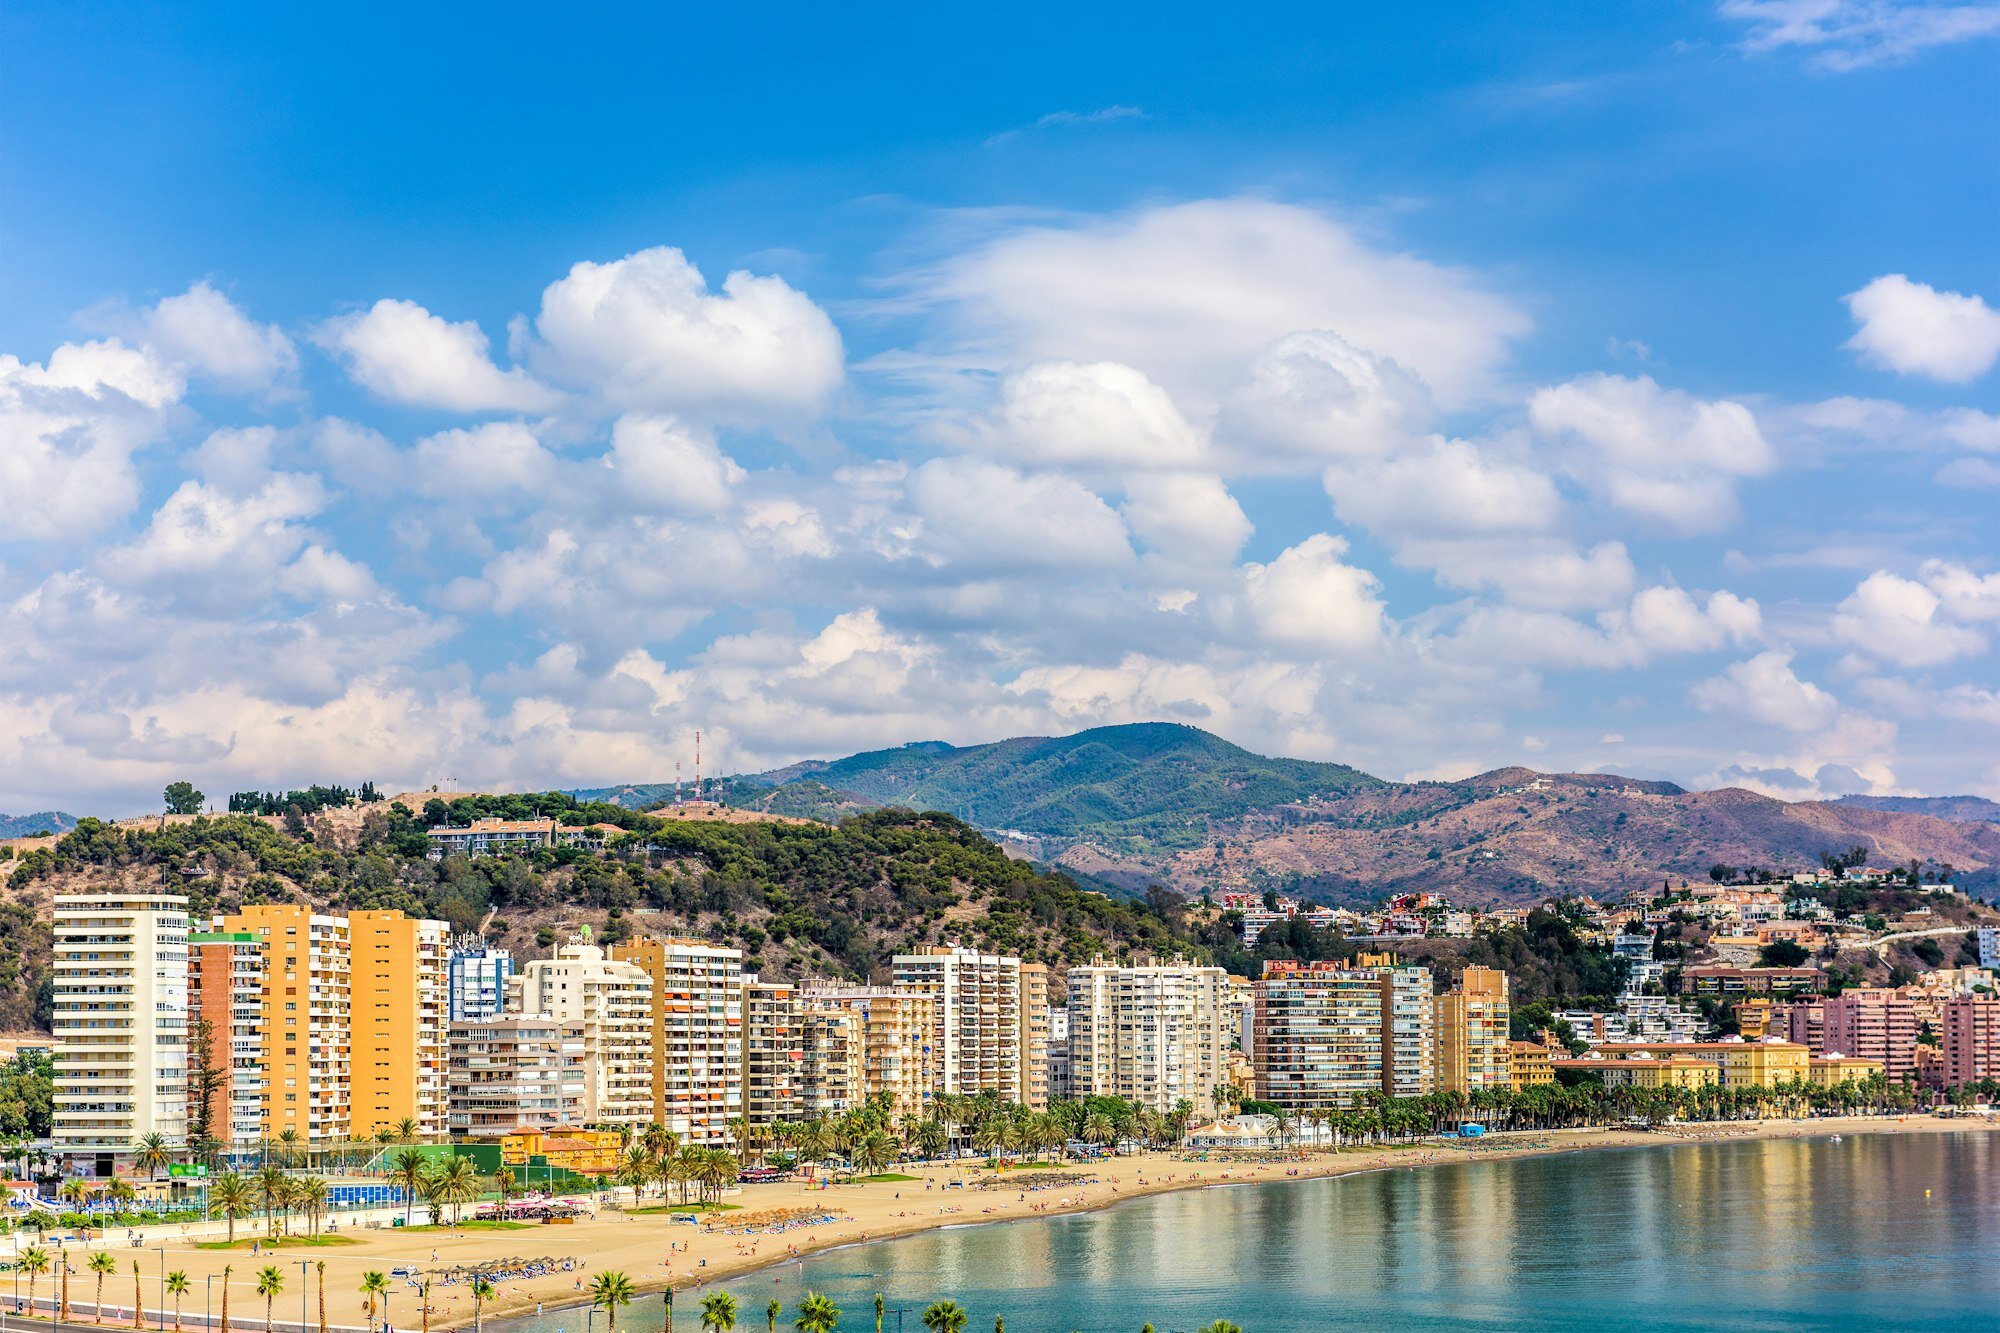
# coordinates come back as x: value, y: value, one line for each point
x: 1128, y: 1180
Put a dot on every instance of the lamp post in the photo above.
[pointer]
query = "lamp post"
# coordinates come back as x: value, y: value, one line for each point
x: 208, y: 1301
x: 304, y: 1282
x: 161, y: 1250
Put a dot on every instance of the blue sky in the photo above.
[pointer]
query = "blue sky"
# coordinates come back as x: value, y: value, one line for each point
x: 489, y: 394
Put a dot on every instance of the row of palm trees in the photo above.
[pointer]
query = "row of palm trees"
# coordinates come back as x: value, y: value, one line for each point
x: 1374, y: 1117
x: 816, y: 1312
x: 36, y: 1261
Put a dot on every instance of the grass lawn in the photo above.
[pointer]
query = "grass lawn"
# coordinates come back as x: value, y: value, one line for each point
x: 883, y: 1178
x: 685, y: 1208
x: 284, y: 1242
x: 471, y: 1224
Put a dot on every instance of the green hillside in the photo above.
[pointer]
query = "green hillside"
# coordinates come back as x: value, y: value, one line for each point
x: 1154, y: 782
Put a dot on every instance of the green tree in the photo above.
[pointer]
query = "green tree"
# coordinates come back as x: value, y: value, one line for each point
x: 482, y: 1292
x: 771, y: 1313
x: 34, y: 1261
x: 609, y: 1290
x: 374, y: 1288
x: 270, y: 1285
x: 177, y: 1287
x: 408, y: 1169
x: 881, y: 1309
x: 718, y: 1312
x: 230, y: 1194
x: 945, y: 1317
x: 101, y: 1263
x: 817, y: 1314
x: 150, y: 1153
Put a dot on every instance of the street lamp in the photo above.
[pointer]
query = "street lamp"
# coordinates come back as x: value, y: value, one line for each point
x: 303, y: 1281
x: 161, y: 1250
x: 208, y: 1301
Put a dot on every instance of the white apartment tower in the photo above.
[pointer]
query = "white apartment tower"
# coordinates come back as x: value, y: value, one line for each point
x: 989, y: 1022
x: 120, y: 986
x: 697, y: 1034
x: 613, y: 1003
x: 1154, y: 1032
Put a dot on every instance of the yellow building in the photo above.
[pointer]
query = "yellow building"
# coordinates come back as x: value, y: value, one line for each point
x: 399, y: 1022
x: 588, y: 1152
x: 1643, y: 1071
x: 1472, y: 1026
x: 1744, y: 1064
x: 1528, y: 1064
x: 1834, y: 1069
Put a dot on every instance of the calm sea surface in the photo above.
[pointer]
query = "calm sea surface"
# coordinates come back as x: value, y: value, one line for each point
x: 1803, y: 1234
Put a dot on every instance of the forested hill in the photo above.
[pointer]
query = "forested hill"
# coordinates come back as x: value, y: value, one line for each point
x: 1156, y: 783
x: 799, y: 898
x: 28, y: 826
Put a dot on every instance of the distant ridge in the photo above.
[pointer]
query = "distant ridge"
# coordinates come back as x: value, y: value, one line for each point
x: 49, y: 821
x: 1166, y: 803
x: 1958, y: 809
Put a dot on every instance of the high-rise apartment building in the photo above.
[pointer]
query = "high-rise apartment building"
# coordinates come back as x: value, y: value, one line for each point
x: 771, y: 1056
x: 1327, y: 1032
x: 120, y: 1004
x: 989, y: 1027
x: 893, y: 1032
x: 1971, y: 1040
x: 226, y: 1001
x: 478, y: 980
x: 399, y: 1022
x: 515, y: 1073
x: 1059, y: 1084
x: 1156, y: 1033
x: 696, y: 1025
x: 305, y: 1034
x: 1472, y: 1019
x: 832, y: 1048
x: 1874, y: 1025
x: 612, y: 1002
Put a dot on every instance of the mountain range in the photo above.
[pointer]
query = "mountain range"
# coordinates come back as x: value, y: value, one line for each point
x: 44, y: 821
x: 1127, y: 806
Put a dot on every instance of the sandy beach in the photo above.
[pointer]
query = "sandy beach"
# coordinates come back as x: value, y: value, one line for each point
x: 655, y: 1251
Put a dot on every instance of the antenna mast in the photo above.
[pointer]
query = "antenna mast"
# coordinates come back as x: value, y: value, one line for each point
x: 697, y: 763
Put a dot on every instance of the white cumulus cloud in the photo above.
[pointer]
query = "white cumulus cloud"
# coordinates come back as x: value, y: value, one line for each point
x: 1914, y: 329
x: 645, y: 332
x: 400, y: 351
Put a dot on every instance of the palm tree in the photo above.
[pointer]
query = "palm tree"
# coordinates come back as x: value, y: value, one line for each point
x: 374, y: 1286
x: 482, y: 1292
x: 817, y: 1314
x: 270, y: 1282
x: 290, y: 1140
x: 407, y: 1170
x: 138, y: 1307
x: 150, y: 1153
x: 881, y: 1308
x: 945, y: 1317
x: 609, y: 1290
x: 227, y: 1269
x: 319, y: 1267
x: 406, y: 1130
x: 34, y: 1262
x: 310, y: 1192
x: 999, y: 1323
x: 177, y: 1287
x: 274, y: 1189
x: 718, y: 1312
x: 771, y: 1312
x: 230, y: 1194
x: 455, y: 1181
x: 100, y: 1264
x: 504, y: 1183
x: 1221, y: 1326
